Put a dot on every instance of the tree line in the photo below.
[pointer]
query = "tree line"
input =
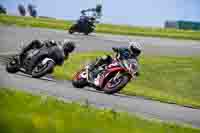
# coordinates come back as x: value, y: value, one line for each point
x: 31, y: 9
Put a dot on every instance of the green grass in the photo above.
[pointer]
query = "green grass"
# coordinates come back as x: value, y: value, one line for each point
x: 101, y: 28
x: 167, y: 79
x: 25, y: 113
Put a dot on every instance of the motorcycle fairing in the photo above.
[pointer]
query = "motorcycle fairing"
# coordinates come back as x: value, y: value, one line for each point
x: 108, y: 73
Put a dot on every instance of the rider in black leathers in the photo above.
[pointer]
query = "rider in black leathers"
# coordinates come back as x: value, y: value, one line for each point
x: 89, y: 20
x: 58, y: 51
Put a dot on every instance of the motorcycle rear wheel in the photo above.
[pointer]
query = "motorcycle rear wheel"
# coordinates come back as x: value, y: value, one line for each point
x: 86, y: 33
x: 48, y: 67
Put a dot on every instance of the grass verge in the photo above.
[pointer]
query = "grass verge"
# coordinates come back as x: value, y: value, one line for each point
x: 167, y: 79
x: 101, y: 28
x: 23, y: 112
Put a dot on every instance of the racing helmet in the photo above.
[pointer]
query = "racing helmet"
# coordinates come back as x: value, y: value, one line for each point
x: 52, y: 42
x: 99, y: 8
x: 68, y: 46
x: 135, y: 48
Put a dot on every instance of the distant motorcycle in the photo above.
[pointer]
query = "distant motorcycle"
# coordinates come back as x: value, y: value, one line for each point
x: 111, y: 79
x: 84, y: 25
x: 36, y: 62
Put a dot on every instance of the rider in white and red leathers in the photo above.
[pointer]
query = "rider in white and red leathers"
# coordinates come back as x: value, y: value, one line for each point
x: 122, y: 54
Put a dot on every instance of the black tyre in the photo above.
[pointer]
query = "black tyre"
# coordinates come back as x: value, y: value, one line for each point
x: 79, y: 82
x: 40, y: 71
x: 86, y: 33
x: 71, y: 29
x: 13, y: 66
x: 111, y: 88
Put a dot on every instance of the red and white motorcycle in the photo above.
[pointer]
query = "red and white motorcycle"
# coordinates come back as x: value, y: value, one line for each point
x: 111, y: 79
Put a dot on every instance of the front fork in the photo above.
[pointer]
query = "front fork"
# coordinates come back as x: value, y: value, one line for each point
x: 87, y: 72
x: 88, y: 75
x: 117, y: 76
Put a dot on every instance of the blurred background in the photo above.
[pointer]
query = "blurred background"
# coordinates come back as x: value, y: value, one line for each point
x: 153, y: 13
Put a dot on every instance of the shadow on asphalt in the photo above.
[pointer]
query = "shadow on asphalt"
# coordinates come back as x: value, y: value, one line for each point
x: 90, y: 89
x: 51, y: 79
x: 43, y: 78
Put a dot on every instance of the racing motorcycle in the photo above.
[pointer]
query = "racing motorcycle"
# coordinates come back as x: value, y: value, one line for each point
x: 36, y: 62
x: 84, y: 25
x: 111, y: 79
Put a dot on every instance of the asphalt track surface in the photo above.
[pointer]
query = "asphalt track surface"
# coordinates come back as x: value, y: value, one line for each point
x: 10, y: 37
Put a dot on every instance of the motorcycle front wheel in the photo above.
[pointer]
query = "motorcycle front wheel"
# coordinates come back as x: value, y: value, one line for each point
x: 114, y: 86
x: 42, y: 69
x: 78, y: 81
x: 13, y: 65
x: 72, y: 29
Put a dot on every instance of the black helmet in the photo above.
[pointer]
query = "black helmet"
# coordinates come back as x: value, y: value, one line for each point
x: 99, y: 8
x: 52, y: 42
x: 83, y: 12
x: 135, y: 48
x: 68, y: 47
x: 92, y: 19
x: 36, y: 42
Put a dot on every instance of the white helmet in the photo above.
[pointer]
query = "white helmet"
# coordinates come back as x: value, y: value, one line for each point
x: 135, y: 48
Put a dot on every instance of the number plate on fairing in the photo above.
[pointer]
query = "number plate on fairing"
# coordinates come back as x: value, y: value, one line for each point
x: 83, y: 75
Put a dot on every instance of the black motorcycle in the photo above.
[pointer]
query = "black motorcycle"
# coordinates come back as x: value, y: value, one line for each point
x: 36, y: 62
x: 84, y: 25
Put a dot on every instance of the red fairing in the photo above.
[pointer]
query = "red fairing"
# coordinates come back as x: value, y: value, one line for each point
x: 114, y: 69
x: 108, y: 72
x: 77, y: 75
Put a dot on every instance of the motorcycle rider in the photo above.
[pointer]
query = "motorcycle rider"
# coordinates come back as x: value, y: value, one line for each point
x: 57, y: 50
x: 122, y: 54
x: 97, y: 12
